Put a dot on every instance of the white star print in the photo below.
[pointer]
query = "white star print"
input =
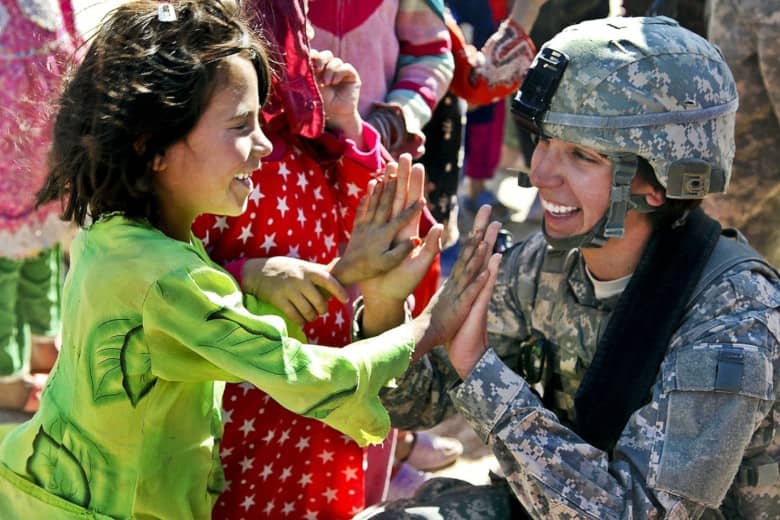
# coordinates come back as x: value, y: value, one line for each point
x: 339, y: 318
x: 205, y: 240
x: 246, y: 386
x: 284, y: 436
x: 286, y: 473
x: 310, y: 515
x: 329, y: 242
x: 303, y: 443
x: 269, y: 436
x: 220, y: 223
x: 330, y: 495
x: 246, y: 233
x: 247, y: 426
x: 281, y: 205
x: 326, y: 456
x: 226, y: 452
x: 256, y: 194
x: 349, y: 473
x: 288, y: 508
x: 283, y: 171
x: 353, y: 190
x: 248, y: 502
x: 294, y: 251
x: 246, y: 464
x: 318, y: 193
x: 267, y: 471
x: 269, y: 507
x: 269, y: 241
x: 318, y: 228
x: 227, y: 416
x: 305, y: 480
x: 302, y: 182
x: 301, y: 217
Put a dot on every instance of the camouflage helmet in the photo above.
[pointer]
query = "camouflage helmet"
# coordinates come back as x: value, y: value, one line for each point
x: 636, y: 87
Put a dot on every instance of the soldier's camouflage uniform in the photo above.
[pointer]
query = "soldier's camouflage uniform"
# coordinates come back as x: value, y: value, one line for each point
x: 707, y: 443
x: 678, y: 456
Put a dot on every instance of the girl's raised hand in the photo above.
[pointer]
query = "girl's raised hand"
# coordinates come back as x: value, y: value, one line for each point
x: 397, y: 283
x: 373, y: 248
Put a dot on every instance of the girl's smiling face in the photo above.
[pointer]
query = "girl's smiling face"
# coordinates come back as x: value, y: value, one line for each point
x: 209, y: 170
x: 574, y: 185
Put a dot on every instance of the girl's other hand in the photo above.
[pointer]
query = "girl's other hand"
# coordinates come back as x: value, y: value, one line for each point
x: 298, y: 288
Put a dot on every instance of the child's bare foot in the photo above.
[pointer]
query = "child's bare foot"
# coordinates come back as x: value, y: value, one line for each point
x: 22, y: 394
x: 43, y: 354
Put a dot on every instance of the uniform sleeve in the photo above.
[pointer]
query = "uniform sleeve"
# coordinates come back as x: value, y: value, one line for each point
x: 197, y: 328
x: 420, y: 399
x: 679, y: 454
x: 425, y: 63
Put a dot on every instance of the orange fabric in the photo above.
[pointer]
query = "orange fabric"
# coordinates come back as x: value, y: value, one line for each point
x: 508, y: 54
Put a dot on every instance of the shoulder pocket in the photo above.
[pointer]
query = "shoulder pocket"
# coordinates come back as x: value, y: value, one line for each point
x: 708, y: 416
x: 732, y: 368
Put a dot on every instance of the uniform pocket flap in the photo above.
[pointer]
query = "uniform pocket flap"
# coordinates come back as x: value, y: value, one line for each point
x: 740, y: 369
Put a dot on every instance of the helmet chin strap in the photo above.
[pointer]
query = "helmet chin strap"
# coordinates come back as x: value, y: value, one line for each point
x: 612, y: 223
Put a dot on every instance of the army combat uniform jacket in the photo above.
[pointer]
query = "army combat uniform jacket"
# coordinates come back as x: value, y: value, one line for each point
x: 699, y: 448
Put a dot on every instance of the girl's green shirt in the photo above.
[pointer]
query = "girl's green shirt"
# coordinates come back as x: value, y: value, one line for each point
x: 129, y: 424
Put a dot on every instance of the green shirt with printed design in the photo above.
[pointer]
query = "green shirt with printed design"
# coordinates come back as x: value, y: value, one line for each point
x: 129, y: 423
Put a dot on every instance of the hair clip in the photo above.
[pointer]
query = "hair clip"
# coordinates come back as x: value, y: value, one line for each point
x: 165, y: 12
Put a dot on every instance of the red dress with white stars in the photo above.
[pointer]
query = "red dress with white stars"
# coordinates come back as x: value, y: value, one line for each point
x: 279, y: 464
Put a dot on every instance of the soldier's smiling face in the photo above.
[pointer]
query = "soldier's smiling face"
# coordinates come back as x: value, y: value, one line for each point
x: 574, y: 185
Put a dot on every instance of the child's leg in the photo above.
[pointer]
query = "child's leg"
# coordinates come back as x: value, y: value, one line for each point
x: 40, y: 287
x: 14, y: 336
x: 15, y: 385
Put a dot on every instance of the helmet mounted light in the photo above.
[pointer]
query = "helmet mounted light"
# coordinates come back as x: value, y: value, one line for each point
x: 533, y: 99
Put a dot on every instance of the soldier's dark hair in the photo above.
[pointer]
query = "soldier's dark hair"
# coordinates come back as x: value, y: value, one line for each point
x: 672, y: 210
x: 142, y: 86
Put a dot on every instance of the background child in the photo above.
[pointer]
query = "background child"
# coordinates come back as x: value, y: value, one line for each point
x: 298, y: 217
x: 36, y: 42
x: 159, y: 124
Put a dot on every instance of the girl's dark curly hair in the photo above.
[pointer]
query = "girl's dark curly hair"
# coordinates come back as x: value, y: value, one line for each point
x: 141, y: 87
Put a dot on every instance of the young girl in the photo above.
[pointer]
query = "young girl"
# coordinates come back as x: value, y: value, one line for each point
x: 300, y: 212
x: 158, y: 125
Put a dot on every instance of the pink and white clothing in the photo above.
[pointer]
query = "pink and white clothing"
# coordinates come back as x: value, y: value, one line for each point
x: 303, y: 203
x: 401, y: 48
x: 37, y: 42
